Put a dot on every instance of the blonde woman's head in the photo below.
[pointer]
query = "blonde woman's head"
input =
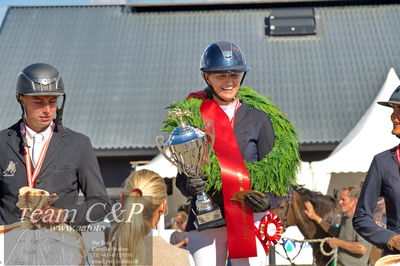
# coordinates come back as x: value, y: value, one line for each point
x: 143, y: 200
x: 148, y: 186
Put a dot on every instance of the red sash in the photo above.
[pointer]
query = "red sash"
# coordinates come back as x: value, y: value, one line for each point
x: 239, y: 217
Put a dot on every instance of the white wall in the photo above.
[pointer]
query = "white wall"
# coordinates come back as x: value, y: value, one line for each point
x: 340, y: 180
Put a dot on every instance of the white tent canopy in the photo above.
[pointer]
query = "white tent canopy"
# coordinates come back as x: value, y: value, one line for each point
x: 161, y: 166
x: 305, y: 175
x: 370, y: 136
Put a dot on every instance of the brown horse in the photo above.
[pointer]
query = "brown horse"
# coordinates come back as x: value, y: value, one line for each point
x: 291, y: 212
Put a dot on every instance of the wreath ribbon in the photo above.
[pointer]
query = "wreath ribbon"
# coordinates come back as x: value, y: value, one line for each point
x: 269, y: 231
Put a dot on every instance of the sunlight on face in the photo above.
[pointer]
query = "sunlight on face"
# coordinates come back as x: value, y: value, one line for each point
x: 395, y: 117
x: 225, y: 86
x: 40, y: 111
x: 347, y: 204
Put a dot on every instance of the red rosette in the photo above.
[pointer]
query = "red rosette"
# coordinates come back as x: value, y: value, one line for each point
x: 269, y: 231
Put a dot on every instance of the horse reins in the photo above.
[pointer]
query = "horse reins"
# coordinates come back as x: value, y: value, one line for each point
x: 290, y: 204
x: 287, y: 255
x: 284, y: 226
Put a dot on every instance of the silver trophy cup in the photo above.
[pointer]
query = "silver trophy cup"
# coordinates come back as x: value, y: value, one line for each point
x: 190, y: 151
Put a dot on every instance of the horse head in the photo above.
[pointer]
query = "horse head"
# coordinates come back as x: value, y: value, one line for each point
x: 290, y: 210
x: 284, y: 209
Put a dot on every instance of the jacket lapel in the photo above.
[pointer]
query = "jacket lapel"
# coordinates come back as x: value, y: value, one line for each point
x: 241, y: 113
x: 394, y: 156
x: 57, y: 143
x: 15, y: 140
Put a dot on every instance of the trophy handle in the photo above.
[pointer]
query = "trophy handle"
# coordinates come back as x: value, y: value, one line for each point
x: 209, y: 126
x: 161, y: 147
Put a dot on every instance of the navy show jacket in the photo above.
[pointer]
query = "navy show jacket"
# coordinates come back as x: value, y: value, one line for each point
x: 383, y: 179
x: 70, y: 166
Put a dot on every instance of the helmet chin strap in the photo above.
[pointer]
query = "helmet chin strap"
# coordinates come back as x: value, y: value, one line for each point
x: 23, y: 115
x: 22, y: 107
x: 219, y: 97
x: 59, y: 113
x: 24, y: 141
x: 244, y: 75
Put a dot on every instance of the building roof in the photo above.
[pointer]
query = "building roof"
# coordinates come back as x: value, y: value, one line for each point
x: 121, y: 67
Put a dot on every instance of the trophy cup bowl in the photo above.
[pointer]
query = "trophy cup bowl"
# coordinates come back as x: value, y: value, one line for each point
x: 190, y: 150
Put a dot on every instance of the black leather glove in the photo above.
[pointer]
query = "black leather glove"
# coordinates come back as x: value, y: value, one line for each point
x: 195, y: 185
x: 257, y: 202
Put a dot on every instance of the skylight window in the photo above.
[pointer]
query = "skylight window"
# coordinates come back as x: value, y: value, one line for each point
x: 291, y: 22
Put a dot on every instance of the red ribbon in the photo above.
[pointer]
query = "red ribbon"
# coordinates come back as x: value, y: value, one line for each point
x: 398, y: 155
x: 31, y: 176
x: 239, y: 217
x: 269, y: 231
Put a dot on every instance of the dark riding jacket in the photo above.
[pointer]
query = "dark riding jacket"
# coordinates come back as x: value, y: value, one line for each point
x: 383, y: 179
x: 70, y: 165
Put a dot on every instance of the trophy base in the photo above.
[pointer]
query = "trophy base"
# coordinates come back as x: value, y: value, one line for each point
x: 208, y: 219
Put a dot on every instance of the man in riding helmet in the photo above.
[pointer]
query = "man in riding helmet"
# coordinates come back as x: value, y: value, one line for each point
x: 39, y: 152
x: 255, y: 150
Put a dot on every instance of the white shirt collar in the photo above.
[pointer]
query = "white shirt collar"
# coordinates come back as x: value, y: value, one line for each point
x: 45, y: 134
x: 230, y: 109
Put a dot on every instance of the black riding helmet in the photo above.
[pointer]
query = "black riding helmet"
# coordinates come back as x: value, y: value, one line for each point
x: 223, y: 57
x: 41, y: 80
x: 394, y: 98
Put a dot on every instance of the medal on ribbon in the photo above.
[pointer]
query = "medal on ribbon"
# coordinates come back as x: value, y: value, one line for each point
x: 31, y: 176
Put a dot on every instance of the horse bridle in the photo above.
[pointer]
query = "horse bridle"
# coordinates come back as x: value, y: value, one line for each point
x: 284, y: 219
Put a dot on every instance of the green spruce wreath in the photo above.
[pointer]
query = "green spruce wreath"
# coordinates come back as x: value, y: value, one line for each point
x: 277, y: 170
